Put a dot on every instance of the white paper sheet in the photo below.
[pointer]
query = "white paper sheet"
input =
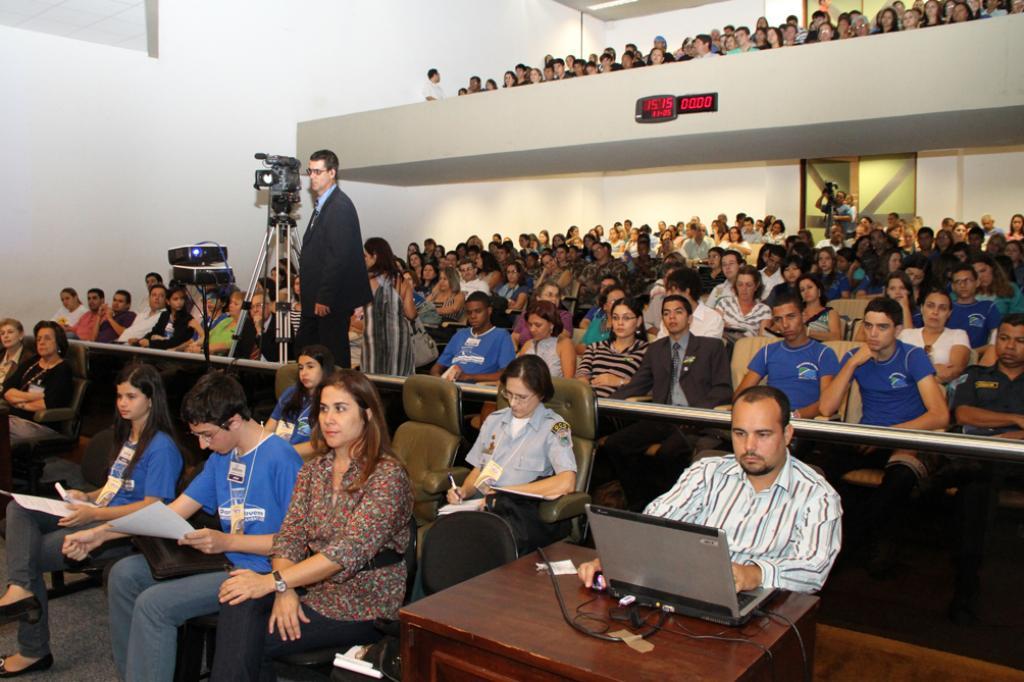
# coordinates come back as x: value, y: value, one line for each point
x: 42, y: 504
x: 564, y: 567
x: 468, y: 505
x: 64, y: 496
x: 509, y: 491
x: 155, y: 520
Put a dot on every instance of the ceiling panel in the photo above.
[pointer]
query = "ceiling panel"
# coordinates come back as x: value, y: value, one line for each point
x: 119, y: 23
x: 640, y: 8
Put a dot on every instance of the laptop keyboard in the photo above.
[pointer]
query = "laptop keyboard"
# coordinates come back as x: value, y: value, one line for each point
x: 745, y: 598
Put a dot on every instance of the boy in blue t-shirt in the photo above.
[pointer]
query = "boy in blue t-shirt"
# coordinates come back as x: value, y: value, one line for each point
x: 247, y: 482
x: 800, y: 367
x: 899, y: 389
x: 479, y: 352
x: 978, y: 318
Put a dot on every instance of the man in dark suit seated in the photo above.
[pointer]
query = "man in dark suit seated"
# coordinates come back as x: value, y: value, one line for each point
x: 681, y: 369
x: 334, y: 279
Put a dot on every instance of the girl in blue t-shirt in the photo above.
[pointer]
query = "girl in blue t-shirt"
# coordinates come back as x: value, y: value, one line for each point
x: 290, y: 419
x: 145, y: 467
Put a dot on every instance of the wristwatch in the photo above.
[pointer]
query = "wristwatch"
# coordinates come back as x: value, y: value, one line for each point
x: 279, y: 584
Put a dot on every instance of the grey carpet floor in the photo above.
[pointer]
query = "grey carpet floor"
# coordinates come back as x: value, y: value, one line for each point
x: 80, y: 638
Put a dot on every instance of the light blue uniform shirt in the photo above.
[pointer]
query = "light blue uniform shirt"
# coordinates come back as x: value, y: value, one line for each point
x: 543, y: 447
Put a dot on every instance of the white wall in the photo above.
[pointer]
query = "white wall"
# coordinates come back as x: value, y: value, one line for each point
x: 964, y: 184
x: 110, y: 157
x: 684, y: 23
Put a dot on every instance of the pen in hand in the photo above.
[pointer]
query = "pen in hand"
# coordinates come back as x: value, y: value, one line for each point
x: 455, y: 487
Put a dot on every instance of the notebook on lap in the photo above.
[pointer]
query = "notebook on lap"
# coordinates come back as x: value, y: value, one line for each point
x: 682, y: 567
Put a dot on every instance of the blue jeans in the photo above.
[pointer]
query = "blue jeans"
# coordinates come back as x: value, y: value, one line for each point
x: 145, y: 615
x: 34, y: 542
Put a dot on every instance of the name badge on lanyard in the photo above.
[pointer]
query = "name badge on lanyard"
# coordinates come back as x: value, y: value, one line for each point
x: 285, y: 429
x: 236, y: 477
x: 116, y: 477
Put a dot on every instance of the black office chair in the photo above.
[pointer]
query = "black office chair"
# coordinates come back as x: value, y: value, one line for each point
x: 464, y: 545
x: 197, y: 637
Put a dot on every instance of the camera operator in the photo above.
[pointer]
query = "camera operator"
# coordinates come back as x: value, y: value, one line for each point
x: 833, y: 202
x: 334, y: 279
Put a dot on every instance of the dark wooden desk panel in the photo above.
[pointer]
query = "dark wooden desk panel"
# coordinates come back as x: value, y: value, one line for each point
x: 506, y: 625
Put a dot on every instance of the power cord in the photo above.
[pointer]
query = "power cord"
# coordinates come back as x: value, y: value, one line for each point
x: 799, y: 638
x: 683, y: 631
x: 573, y: 621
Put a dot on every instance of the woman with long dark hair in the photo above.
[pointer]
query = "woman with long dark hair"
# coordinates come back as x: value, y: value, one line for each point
x: 292, y: 419
x: 173, y: 328
x: 342, y: 543
x: 610, y: 364
x: 44, y: 384
x: 387, y: 346
x: 145, y: 464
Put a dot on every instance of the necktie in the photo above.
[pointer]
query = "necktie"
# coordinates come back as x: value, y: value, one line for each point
x: 678, y: 397
x: 312, y: 223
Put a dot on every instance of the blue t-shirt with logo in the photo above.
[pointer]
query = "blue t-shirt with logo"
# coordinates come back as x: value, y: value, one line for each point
x: 302, y: 428
x: 155, y: 473
x: 797, y: 372
x: 840, y: 284
x: 889, y: 389
x: 978, y: 319
x: 270, y: 472
x: 490, y: 352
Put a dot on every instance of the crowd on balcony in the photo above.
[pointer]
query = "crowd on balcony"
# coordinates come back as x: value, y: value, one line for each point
x: 824, y: 26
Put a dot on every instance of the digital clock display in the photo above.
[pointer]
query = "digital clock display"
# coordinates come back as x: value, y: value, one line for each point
x: 656, y: 109
x: 696, y: 104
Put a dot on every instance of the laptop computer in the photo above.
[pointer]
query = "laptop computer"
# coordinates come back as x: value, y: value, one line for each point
x: 680, y: 567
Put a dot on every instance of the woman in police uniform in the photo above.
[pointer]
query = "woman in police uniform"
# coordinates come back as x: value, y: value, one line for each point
x: 290, y: 419
x: 525, y: 447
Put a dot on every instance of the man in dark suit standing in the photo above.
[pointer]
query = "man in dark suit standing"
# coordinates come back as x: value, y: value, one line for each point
x: 334, y: 279
x: 681, y: 369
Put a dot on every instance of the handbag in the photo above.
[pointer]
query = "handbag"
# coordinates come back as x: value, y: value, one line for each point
x: 424, y: 349
x: 168, y: 560
x: 523, y: 517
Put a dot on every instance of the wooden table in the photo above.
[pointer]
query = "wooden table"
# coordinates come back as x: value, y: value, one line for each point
x: 506, y: 625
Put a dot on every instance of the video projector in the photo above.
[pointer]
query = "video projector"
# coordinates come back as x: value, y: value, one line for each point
x: 201, y: 264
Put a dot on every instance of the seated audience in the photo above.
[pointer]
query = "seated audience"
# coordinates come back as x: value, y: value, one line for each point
x: 743, y: 313
x: 45, y: 384
x: 772, y: 256
x: 596, y: 328
x: 609, y: 364
x: 681, y: 369
x: 291, y: 416
x: 173, y: 329
x: 479, y: 352
x: 342, y: 543
x: 731, y: 262
x: 948, y: 349
x: 799, y: 366
x: 470, y: 280
x: 514, y: 290
x: 525, y: 447
x: 823, y: 323
x: 995, y: 285
x: 547, y: 291
x: 898, y: 388
x: 144, y: 322
x: 247, y: 482
x: 593, y: 274
x: 546, y: 340
x: 17, y: 353
x: 71, y: 309
x: 85, y: 328
x: 792, y: 268
x: 222, y: 335
x: 761, y: 480
x: 115, y: 318
x: 979, y: 319
x: 447, y: 296
x: 142, y: 424
x: 685, y: 282
x: 989, y: 401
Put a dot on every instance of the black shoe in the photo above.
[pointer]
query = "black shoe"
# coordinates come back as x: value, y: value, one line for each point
x: 27, y: 609
x: 43, y: 663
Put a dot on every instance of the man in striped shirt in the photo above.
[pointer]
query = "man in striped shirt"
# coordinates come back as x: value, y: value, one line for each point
x: 781, y: 517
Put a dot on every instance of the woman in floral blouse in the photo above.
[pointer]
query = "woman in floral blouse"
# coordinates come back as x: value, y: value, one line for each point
x: 342, y: 541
